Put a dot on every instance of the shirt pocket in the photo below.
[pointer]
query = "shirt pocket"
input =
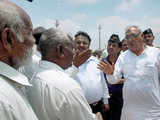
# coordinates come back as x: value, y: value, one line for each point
x: 146, y: 74
x: 147, y: 71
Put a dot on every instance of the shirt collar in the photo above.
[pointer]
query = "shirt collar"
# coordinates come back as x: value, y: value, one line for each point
x: 145, y: 51
x: 92, y: 58
x: 49, y: 65
x: 13, y: 74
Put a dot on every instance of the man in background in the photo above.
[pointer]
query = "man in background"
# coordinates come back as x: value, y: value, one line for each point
x: 124, y: 45
x: 90, y: 78
x: 148, y: 37
x: 115, y: 90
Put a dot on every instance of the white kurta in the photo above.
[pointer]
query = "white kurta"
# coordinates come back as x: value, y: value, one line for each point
x: 141, y: 90
x: 92, y: 81
x: 56, y: 96
x: 13, y: 102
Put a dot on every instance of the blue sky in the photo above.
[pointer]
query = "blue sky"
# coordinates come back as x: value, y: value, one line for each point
x: 113, y: 15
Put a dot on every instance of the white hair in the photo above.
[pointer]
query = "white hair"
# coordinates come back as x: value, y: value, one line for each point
x: 10, y: 17
x: 50, y: 38
x: 128, y: 29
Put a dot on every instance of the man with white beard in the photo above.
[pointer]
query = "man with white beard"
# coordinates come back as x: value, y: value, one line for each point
x: 29, y: 69
x: 16, y: 42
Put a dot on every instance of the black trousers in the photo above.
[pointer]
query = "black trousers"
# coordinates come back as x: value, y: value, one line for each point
x: 115, y: 110
x: 99, y: 107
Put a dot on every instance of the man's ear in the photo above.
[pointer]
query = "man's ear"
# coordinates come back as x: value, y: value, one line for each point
x: 142, y: 37
x: 7, y: 39
x: 60, y: 51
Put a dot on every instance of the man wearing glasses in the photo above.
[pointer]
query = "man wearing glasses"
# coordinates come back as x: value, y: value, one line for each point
x: 140, y: 66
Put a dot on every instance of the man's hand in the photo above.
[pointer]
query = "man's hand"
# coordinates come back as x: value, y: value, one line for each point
x: 121, y: 81
x: 99, y: 116
x: 81, y: 57
x: 106, y: 67
x: 106, y: 106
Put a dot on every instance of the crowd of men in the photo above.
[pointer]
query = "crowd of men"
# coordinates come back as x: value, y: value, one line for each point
x: 46, y: 74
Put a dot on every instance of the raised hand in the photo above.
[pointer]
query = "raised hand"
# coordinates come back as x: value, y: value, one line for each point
x: 81, y: 57
x: 106, y: 67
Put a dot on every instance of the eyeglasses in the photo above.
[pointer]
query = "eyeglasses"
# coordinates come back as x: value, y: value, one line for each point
x: 132, y: 36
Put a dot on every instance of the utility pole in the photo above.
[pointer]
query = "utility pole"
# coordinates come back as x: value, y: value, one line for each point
x: 57, y: 23
x: 99, y: 31
x: 59, y: 7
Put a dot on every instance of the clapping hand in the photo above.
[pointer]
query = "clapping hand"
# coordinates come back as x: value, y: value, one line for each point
x: 81, y: 57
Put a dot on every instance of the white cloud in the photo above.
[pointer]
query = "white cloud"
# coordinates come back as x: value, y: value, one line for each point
x: 80, y: 17
x: 128, y: 5
x: 117, y: 25
x: 110, y: 25
x: 67, y: 25
x: 70, y: 26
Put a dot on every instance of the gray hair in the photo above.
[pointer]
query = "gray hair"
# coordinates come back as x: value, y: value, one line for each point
x: 128, y: 29
x: 52, y: 37
x: 10, y: 17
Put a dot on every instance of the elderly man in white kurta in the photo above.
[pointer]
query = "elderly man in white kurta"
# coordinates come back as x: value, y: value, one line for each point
x: 13, y: 102
x: 140, y: 66
x: 55, y: 95
x: 16, y: 42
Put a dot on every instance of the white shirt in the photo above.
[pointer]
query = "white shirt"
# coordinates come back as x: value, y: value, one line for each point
x: 92, y: 81
x: 56, y: 96
x: 13, y: 103
x: 72, y: 71
x: 141, y: 90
